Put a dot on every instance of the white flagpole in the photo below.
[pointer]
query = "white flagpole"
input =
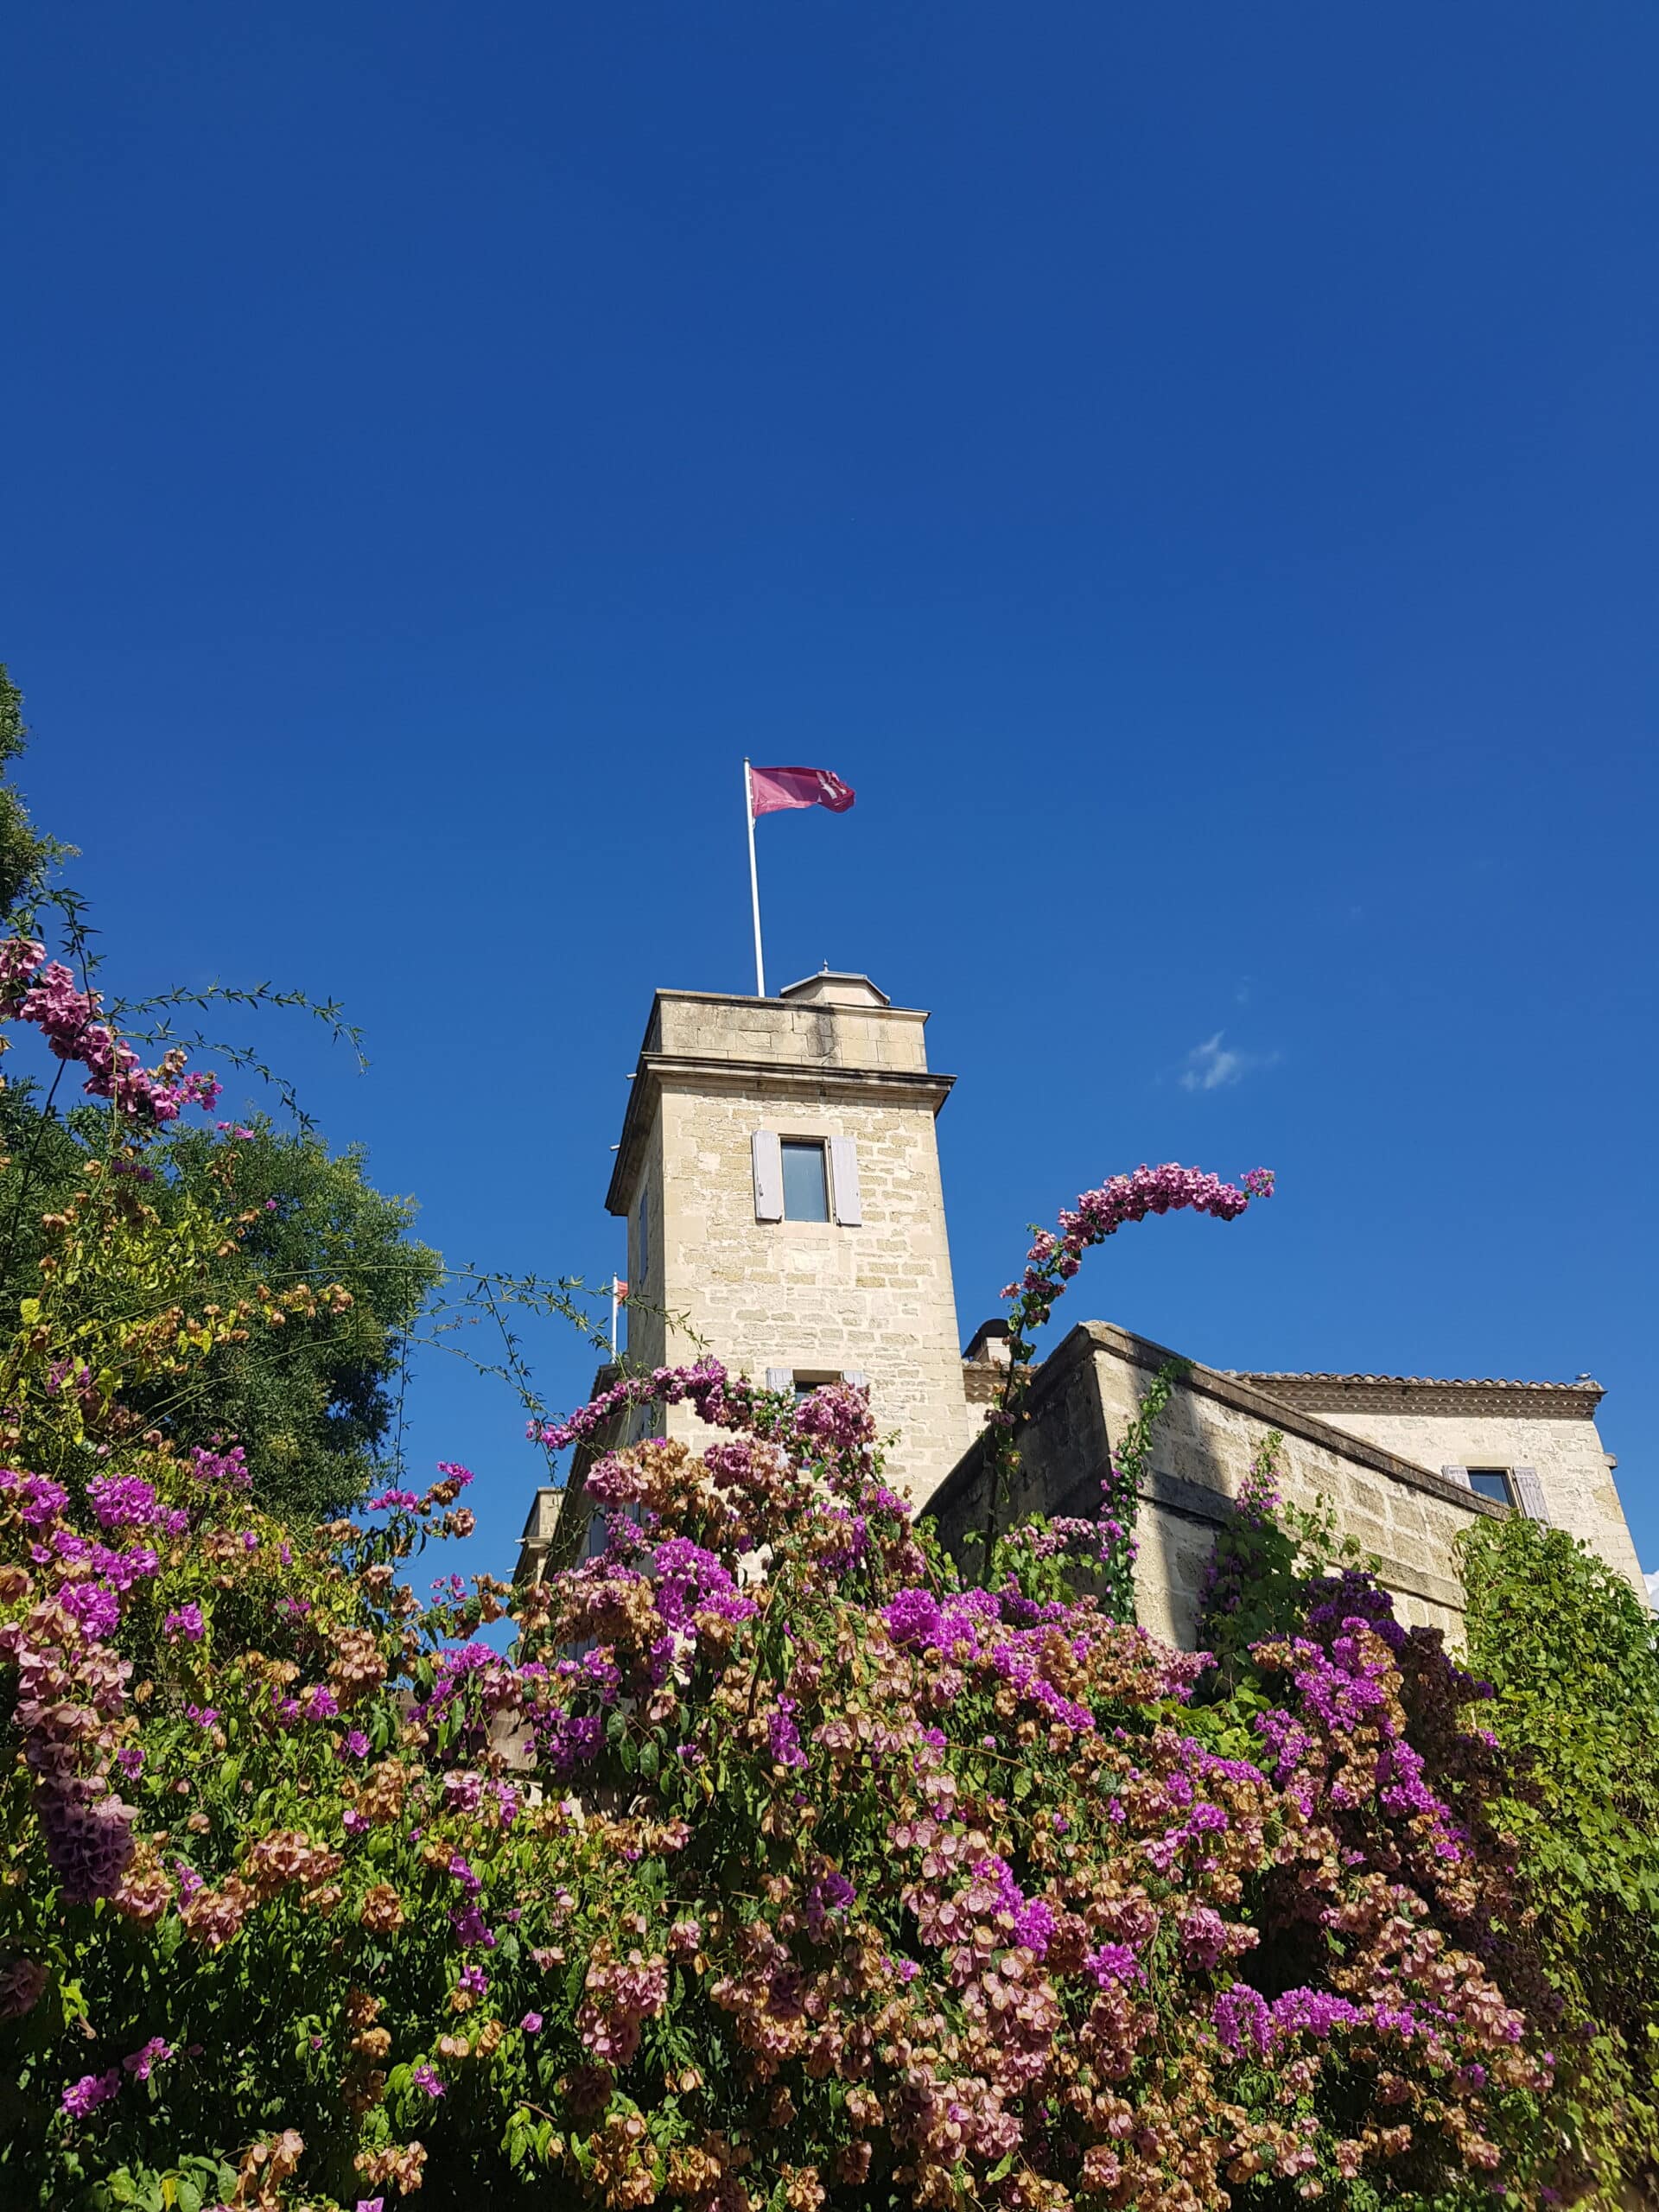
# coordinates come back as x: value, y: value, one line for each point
x: 613, y: 1306
x: 754, y: 884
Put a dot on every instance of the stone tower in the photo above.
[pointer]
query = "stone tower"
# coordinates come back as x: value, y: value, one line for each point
x: 779, y: 1174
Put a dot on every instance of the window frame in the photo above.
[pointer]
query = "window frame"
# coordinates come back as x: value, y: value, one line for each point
x: 803, y: 1381
x: 1504, y: 1495
x: 786, y: 1145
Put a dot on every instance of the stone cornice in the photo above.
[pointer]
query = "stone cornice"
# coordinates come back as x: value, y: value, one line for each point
x: 1418, y: 1394
x: 1247, y: 1393
x: 788, y: 1079
x: 1234, y: 1390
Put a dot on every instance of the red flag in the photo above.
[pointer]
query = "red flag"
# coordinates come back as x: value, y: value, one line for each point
x: 770, y: 790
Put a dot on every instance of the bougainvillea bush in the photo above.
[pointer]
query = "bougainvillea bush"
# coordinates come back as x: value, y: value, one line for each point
x: 769, y: 1867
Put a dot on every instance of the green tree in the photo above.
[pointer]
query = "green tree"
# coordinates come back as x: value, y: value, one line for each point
x: 1573, y: 1656
x: 312, y: 1401
x: 315, y: 1403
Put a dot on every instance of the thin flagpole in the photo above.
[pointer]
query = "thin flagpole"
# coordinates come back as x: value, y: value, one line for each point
x: 613, y: 1306
x: 754, y: 884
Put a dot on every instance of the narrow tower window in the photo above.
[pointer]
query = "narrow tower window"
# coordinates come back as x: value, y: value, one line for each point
x: 806, y: 1187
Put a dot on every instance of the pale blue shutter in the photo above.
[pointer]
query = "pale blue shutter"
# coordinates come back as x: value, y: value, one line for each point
x: 780, y: 1379
x: 857, y: 1377
x: 843, y: 1176
x: 768, y: 1175
x: 1458, y: 1475
x: 1529, y: 1494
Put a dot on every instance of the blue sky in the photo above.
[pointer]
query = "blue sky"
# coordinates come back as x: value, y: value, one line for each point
x: 1193, y: 470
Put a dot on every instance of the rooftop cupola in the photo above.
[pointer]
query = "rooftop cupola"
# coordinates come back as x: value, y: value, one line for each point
x: 828, y: 987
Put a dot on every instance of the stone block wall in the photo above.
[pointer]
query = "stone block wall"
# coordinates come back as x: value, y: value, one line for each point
x: 1087, y: 1391
x: 818, y: 1297
x: 1547, y: 1427
x: 704, y: 1026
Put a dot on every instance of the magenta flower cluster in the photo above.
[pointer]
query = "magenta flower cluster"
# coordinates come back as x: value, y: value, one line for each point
x: 91, y: 2090
x: 1053, y: 1260
x: 68, y: 1019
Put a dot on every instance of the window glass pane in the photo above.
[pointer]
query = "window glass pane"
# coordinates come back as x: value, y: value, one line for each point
x: 806, y: 1190
x: 1492, y: 1482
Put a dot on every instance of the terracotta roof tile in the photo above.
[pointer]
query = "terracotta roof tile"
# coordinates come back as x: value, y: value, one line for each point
x: 1415, y: 1382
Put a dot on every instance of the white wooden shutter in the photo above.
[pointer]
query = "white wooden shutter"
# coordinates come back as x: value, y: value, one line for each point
x: 768, y: 1175
x: 857, y: 1377
x: 1529, y: 1494
x: 843, y: 1176
x: 1458, y: 1475
x: 780, y: 1379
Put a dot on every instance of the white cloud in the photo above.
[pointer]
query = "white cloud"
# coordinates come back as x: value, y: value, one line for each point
x: 1212, y: 1065
x: 1652, y: 1581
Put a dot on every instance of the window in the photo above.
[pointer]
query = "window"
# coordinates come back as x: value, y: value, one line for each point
x: 1514, y: 1486
x: 806, y: 1185
x: 801, y: 1382
x: 806, y: 1179
x: 805, y: 1383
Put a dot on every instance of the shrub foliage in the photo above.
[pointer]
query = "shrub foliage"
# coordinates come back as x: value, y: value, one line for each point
x: 1573, y: 1655
x: 767, y: 1867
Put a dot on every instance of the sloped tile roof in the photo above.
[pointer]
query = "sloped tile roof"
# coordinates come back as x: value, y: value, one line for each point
x: 1411, y: 1382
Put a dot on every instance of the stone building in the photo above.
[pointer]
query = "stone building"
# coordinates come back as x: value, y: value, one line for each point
x: 779, y: 1172
x: 780, y: 1175
x: 1406, y: 1462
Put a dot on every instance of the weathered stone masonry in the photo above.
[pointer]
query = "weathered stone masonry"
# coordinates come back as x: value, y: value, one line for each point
x: 1085, y: 1394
